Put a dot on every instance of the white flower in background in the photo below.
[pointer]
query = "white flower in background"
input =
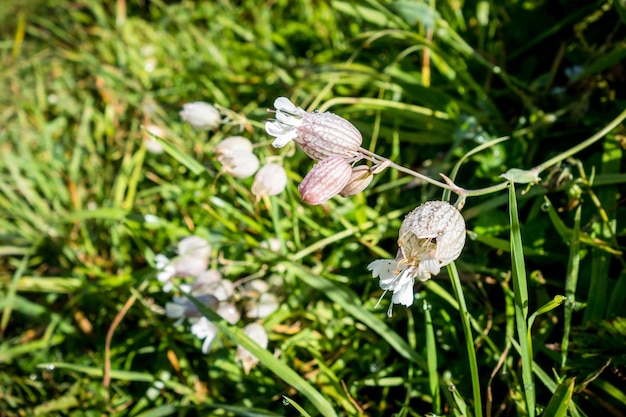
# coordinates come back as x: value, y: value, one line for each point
x: 204, y: 330
x: 152, y: 145
x: 193, y: 256
x: 320, y: 135
x: 166, y: 271
x: 270, y: 180
x: 201, y: 115
x: 229, y: 312
x: 431, y: 236
x: 233, y: 144
x: 239, y: 164
x: 261, y: 307
x: 257, y: 333
x: 235, y: 155
x: 181, y: 307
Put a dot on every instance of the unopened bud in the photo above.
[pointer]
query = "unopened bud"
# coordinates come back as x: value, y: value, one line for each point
x: 270, y: 180
x: 201, y: 115
x: 233, y: 144
x: 360, y: 179
x: 325, y: 180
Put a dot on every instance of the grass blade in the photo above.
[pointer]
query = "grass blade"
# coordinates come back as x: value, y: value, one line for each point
x: 520, y: 289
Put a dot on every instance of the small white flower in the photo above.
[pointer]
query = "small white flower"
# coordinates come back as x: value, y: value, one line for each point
x: 239, y: 164
x: 205, y: 330
x: 262, y: 307
x: 270, y: 180
x: 233, y: 144
x: 193, y: 256
x: 320, y: 135
x: 166, y: 271
x: 152, y: 145
x: 229, y: 312
x: 201, y: 115
x: 431, y: 236
x: 257, y: 333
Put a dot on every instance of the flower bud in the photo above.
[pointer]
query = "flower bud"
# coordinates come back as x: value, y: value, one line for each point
x: 193, y: 256
x: 233, y: 144
x: 201, y: 115
x: 270, y: 180
x: 325, y: 180
x: 239, y: 164
x: 360, y: 179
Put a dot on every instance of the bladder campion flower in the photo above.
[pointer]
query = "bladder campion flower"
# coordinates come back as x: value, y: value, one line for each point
x: 271, y: 179
x: 320, y: 135
x: 431, y: 236
x: 201, y: 115
x: 257, y: 333
x: 193, y: 256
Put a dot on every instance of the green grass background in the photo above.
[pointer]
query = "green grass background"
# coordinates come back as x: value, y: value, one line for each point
x: 425, y: 82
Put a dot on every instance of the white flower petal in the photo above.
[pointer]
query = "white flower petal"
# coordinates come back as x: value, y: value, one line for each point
x: 174, y: 310
x: 383, y: 268
x: 288, y: 119
x: 281, y: 141
x: 284, y: 104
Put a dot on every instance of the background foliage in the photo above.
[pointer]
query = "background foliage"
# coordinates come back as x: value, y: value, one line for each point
x: 425, y: 83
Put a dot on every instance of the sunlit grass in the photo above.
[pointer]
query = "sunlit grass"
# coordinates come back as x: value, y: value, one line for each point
x: 85, y: 207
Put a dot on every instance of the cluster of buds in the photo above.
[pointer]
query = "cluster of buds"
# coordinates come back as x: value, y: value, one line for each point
x: 254, y: 300
x: 235, y: 153
x: 330, y: 140
x: 431, y: 236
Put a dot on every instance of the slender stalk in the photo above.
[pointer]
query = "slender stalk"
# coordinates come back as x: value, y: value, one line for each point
x: 469, y: 339
x: 451, y: 186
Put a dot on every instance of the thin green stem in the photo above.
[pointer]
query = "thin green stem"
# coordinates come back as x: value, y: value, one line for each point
x: 593, y: 139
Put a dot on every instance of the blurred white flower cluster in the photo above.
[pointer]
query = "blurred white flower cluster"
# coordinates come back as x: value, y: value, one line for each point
x: 330, y: 140
x: 235, y: 153
x: 190, y: 271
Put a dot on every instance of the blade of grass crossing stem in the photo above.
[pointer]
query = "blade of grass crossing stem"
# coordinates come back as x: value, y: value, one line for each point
x: 279, y: 368
x: 571, y: 280
x: 469, y: 339
x: 431, y: 359
x: 520, y: 290
x: 346, y: 299
x: 557, y: 407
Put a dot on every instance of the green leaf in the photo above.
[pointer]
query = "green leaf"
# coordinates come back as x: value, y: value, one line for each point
x: 557, y: 407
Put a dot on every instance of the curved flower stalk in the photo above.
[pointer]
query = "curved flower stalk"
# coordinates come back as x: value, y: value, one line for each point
x: 430, y: 237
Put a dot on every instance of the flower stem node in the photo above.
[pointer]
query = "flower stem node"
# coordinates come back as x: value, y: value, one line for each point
x: 431, y: 236
x: 320, y: 135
